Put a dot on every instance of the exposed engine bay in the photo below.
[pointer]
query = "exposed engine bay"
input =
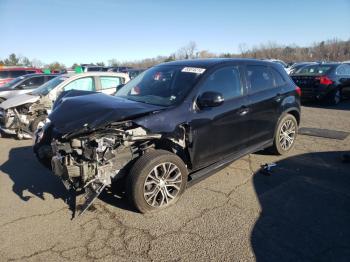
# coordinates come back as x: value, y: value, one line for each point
x: 91, y: 162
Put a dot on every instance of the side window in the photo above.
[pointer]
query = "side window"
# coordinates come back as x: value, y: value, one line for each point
x: 108, y: 82
x: 84, y: 84
x: 33, y: 82
x: 4, y: 74
x: 279, y: 80
x: 259, y: 77
x: 50, y: 77
x: 347, y: 70
x: 226, y: 81
x: 340, y: 70
x: 17, y: 73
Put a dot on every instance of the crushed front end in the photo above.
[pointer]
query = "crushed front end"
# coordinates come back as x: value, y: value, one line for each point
x: 89, y: 163
x: 15, y: 121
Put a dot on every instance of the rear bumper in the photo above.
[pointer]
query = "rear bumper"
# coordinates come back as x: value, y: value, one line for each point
x: 314, y: 93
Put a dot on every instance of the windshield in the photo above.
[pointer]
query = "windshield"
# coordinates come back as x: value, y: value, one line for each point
x: 313, y: 70
x: 162, y: 85
x: 44, y: 89
x: 12, y: 83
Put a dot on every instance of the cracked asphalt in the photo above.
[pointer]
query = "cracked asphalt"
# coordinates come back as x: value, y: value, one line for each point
x: 301, y: 212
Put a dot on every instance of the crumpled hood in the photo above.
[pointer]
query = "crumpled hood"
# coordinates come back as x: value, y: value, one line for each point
x: 94, y: 110
x: 19, y: 100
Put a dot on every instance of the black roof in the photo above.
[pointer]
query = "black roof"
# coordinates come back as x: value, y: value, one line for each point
x: 210, y: 62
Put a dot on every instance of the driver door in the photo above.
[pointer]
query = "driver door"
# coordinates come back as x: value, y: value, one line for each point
x: 83, y: 84
x: 220, y: 131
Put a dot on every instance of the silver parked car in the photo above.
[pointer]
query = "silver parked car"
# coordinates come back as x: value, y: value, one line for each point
x: 23, y: 84
x: 21, y: 115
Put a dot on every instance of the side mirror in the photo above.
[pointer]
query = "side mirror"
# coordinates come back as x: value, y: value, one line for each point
x: 22, y: 86
x: 210, y: 99
x: 119, y: 86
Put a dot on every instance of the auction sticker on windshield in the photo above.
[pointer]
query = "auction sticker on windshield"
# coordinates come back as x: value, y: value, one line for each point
x: 195, y: 70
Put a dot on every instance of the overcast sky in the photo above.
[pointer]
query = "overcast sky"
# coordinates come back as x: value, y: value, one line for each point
x: 91, y: 31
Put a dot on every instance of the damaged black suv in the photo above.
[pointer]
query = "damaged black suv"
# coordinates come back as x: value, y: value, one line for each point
x: 174, y: 123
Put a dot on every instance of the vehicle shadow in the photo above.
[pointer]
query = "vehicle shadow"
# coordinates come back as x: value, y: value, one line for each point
x: 27, y: 174
x: 305, y: 210
x: 115, y: 195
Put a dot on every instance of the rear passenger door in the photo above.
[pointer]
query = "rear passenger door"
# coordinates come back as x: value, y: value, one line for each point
x: 108, y: 84
x: 264, y: 99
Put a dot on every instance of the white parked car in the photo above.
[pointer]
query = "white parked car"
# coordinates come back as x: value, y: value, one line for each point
x: 21, y: 115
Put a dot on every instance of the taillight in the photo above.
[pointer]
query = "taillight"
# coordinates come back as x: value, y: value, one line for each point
x: 298, y: 90
x: 324, y: 80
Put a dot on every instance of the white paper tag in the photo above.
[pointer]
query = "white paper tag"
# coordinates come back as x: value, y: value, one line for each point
x: 194, y: 70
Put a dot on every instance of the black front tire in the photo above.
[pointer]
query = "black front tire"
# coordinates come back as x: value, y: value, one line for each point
x: 140, y: 174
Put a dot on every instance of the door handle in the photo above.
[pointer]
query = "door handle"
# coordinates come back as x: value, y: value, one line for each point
x: 243, y: 111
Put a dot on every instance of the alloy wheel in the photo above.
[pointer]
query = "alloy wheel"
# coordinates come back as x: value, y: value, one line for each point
x: 162, y: 184
x: 287, y: 135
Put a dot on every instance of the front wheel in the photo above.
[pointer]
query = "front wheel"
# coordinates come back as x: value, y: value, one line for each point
x: 156, y: 181
x: 285, y: 135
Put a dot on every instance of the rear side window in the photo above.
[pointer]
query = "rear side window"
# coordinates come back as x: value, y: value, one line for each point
x: 33, y: 82
x: 314, y: 70
x: 4, y: 74
x: 83, y: 84
x: 259, y: 77
x: 226, y: 81
x: 50, y: 77
x: 108, y: 82
x: 17, y: 73
x: 347, y: 70
x: 343, y: 70
x: 279, y: 80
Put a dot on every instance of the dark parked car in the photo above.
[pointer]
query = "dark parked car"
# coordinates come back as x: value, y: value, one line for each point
x: 9, y: 73
x: 23, y: 84
x: 327, y: 82
x: 174, y: 123
x: 296, y: 66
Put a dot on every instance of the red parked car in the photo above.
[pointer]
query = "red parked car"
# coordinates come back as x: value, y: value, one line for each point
x: 9, y: 73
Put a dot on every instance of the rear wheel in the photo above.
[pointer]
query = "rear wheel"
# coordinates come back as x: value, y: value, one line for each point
x: 156, y: 181
x: 335, y: 97
x: 285, y: 135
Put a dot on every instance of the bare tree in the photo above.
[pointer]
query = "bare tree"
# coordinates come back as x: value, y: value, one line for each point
x: 37, y: 63
x: 205, y: 54
x: 187, y: 52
